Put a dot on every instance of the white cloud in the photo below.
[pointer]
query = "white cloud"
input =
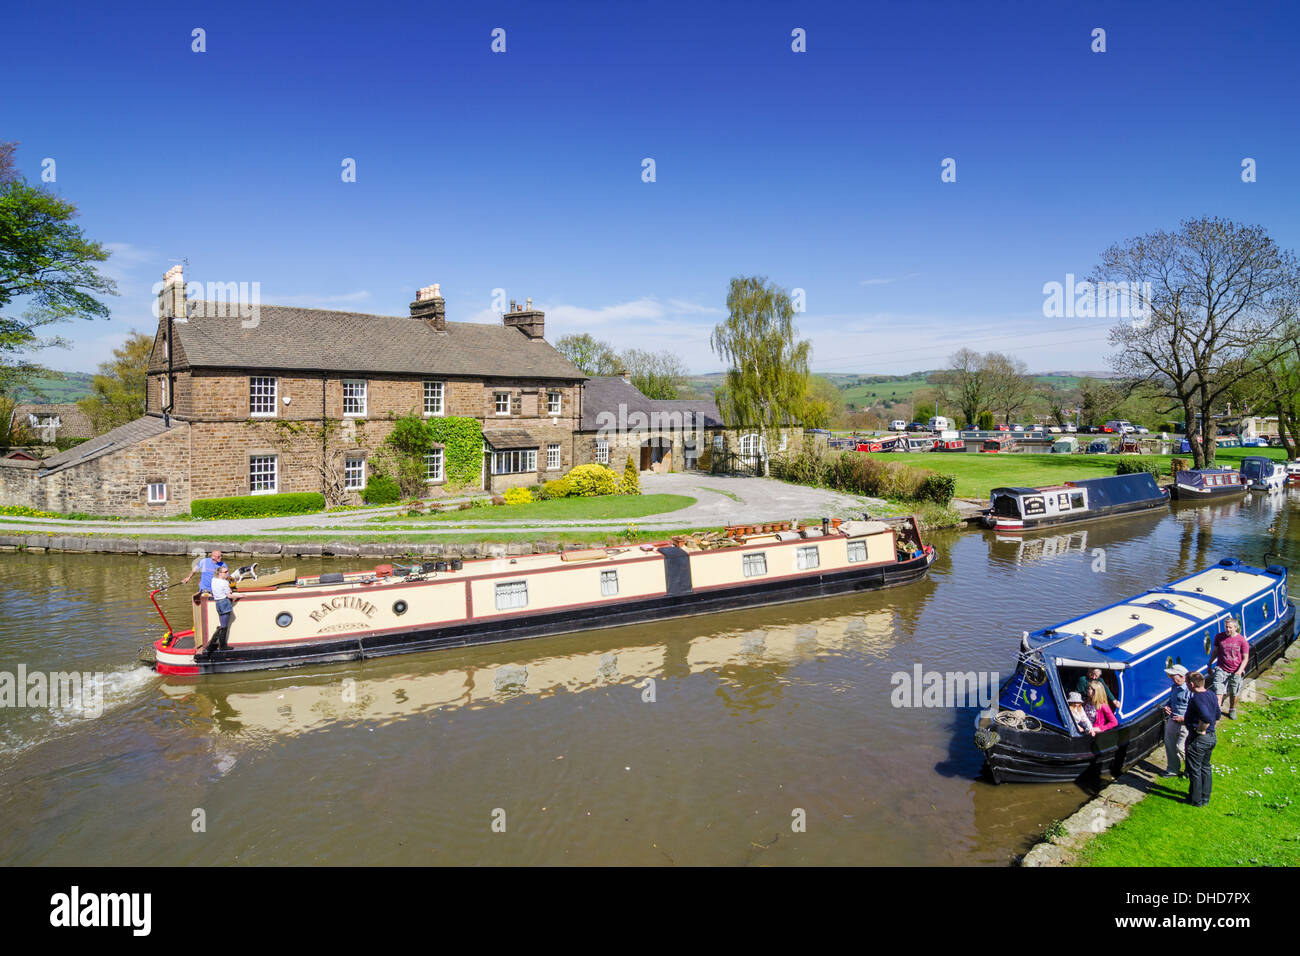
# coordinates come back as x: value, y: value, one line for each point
x: 910, y: 275
x: 320, y: 301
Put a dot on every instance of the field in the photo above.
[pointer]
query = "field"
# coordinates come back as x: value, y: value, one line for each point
x: 56, y: 391
x: 861, y: 391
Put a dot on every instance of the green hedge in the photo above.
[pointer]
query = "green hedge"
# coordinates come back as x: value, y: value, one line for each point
x: 1133, y: 466
x: 258, y: 506
x: 381, y: 490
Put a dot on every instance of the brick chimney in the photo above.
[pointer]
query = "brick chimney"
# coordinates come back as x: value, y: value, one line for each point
x: 171, y: 298
x: 430, y: 308
x: 530, y: 321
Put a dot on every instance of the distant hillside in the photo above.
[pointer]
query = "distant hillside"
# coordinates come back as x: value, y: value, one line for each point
x: 55, y: 391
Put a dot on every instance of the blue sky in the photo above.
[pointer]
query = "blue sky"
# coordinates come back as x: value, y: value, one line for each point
x: 522, y: 170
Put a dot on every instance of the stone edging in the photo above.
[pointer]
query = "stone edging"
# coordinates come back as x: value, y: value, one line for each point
x: 266, y: 548
x: 1116, y: 801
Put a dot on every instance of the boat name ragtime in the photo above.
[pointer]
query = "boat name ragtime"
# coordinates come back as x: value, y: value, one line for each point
x: 338, y: 603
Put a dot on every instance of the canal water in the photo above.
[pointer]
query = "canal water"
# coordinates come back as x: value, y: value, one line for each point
x: 764, y: 737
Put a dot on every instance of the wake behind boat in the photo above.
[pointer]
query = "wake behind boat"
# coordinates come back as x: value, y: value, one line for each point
x: 394, y: 610
x: 1032, y: 737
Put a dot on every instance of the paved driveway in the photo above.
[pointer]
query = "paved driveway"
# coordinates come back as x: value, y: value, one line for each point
x: 720, y: 500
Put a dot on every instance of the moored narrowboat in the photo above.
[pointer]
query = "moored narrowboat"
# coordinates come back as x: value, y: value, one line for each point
x: 1203, y: 484
x: 1031, y: 737
x: 1024, y: 509
x: 1262, y: 474
x: 394, y: 609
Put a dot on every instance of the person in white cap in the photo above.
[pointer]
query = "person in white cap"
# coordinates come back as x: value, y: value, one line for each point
x: 1175, y: 725
x: 1079, y: 715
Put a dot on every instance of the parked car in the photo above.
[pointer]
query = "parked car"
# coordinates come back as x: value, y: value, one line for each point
x: 898, y: 425
x: 916, y: 427
x: 1099, y: 447
x: 1143, y: 431
x: 1017, y: 428
x: 1120, y: 426
x: 1071, y: 429
x: 1002, y: 428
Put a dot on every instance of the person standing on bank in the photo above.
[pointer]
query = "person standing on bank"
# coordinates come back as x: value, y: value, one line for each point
x: 207, y: 567
x: 1175, y: 722
x: 225, y: 598
x: 1231, y: 655
x: 1202, y: 714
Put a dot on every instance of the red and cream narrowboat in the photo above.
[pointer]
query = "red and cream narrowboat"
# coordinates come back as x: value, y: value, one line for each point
x: 287, y: 620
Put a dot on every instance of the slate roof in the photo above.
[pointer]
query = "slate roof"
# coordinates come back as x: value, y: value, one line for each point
x: 73, y: 422
x: 504, y: 439
x: 321, y: 340
x: 607, y: 393
x: 142, y: 428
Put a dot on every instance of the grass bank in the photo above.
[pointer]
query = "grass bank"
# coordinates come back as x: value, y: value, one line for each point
x: 1253, y: 818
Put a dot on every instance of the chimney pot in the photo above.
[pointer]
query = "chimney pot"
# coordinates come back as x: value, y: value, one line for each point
x: 430, y: 308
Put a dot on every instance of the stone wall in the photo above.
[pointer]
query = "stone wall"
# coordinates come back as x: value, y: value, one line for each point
x: 113, y: 484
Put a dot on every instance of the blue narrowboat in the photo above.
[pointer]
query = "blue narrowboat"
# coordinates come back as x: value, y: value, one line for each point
x: 1024, y: 509
x: 1031, y: 737
x: 1203, y: 484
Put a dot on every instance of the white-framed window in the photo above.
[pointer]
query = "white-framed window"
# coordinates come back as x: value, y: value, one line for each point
x: 552, y: 456
x: 354, y: 396
x: 857, y: 552
x: 785, y: 442
x: 608, y: 583
x: 755, y: 564
x: 808, y: 557
x: 514, y: 462
x: 552, y: 403
x: 602, y: 451
x: 433, y: 393
x: 502, y: 402
x: 261, y: 396
x: 262, y: 474
x: 717, y: 443
x: 162, y: 392
x: 158, y: 493
x: 354, y: 473
x: 433, y: 465
x: 752, y: 445
x: 511, y: 595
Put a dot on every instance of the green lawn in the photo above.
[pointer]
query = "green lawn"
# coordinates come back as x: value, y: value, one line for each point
x: 1253, y: 818
x: 977, y: 474
x: 607, y: 508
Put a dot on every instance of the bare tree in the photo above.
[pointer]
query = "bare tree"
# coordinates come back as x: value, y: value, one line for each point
x: 1010, y: 386
x: 964, y: 384
x: 1209, y: 297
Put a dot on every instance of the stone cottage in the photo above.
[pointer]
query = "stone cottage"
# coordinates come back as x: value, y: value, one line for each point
x: 291, y: 399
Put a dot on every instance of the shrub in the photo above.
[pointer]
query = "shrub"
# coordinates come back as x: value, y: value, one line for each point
x: 381, y: 490
x: 559, y: 488
x: 939, y: 489
x: 591, y: 481
x: 986, y: 421
x: 1133, y: 466
x: 631, y: 481
x: 258, y: 506
x: 518, y: 496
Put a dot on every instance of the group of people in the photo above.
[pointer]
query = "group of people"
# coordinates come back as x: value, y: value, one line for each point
x: 214, y: 579
x: 1194, y: 710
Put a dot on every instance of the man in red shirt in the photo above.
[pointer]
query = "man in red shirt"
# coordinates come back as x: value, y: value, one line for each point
x: 1229, y: 660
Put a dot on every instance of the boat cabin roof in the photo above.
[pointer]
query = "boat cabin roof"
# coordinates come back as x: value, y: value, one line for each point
x: 1117, y: 635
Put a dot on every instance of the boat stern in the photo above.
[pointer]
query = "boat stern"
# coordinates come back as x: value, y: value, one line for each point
x: 174, y: 654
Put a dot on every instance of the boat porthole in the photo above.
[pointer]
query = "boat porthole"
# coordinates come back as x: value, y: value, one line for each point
x: 399, y: 607
x: 284, y: 619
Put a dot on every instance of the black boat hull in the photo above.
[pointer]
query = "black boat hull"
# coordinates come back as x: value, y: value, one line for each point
x: 1052, y: 756
x: 1180, y: 493
x: 572, y: 620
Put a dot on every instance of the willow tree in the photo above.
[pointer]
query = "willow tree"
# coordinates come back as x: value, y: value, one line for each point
x: 766, y: 385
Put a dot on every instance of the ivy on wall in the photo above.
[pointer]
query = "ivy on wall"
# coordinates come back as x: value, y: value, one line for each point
x: 414, y: 436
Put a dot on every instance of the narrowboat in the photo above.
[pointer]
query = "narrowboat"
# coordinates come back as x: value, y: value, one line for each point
x: 1203, y: 484
x: 1293, y: 472
x: 293, y: 620
x: 1030, y: 737
x: 1024, y: 509
x: 949, y: 444
x: 1262, y: 474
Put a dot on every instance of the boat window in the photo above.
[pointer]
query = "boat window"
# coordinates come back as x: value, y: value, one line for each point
x: 857, y: 551
x: 608, y: 583
x: 808, y: 557
x: 755, y: 564
x: 1076, y: 499
x: 512, y: 594
x: 1063, y: 501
